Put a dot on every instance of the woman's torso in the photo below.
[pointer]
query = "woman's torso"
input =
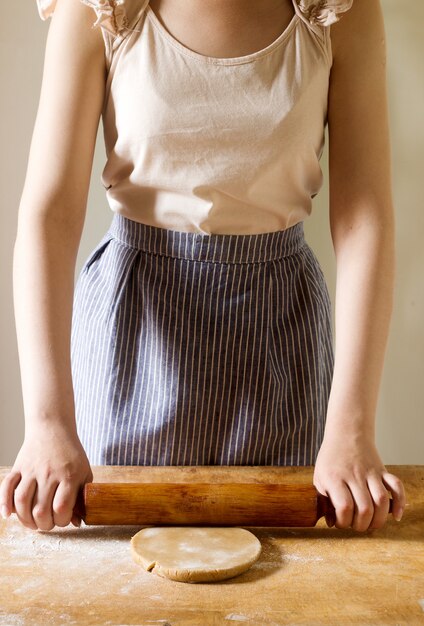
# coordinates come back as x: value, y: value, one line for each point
x: 216, y: 145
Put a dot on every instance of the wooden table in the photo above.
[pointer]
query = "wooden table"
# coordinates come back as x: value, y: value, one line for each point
x: 304, y: 576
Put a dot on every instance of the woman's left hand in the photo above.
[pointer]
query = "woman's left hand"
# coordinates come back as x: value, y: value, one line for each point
x: 351, y: 473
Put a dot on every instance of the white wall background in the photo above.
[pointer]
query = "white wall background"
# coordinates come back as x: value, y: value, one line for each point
x: 399, y: 424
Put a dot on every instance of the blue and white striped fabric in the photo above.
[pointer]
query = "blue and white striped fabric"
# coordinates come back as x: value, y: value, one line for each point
x: 191, y: 349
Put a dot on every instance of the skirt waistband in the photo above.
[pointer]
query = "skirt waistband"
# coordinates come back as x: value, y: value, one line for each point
x: 216, y: 248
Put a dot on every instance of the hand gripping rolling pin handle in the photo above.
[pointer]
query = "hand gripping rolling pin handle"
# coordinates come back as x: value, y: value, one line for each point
x: 202, y: 504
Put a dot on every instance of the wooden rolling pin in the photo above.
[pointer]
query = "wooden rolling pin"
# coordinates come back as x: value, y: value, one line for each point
x: 202, y: 504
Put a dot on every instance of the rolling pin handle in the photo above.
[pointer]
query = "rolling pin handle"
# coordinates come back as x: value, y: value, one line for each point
x: 324, y: 506
x: 79, y: 508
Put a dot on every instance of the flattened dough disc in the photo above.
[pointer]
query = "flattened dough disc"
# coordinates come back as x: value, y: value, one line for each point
x: 192, y: 554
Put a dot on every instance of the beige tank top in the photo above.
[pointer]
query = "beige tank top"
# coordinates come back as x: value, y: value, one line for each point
x: 213, y: 145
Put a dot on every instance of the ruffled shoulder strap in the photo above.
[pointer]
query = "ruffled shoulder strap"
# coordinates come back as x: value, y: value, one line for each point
x: 114, y: 16
x: 319, y: 13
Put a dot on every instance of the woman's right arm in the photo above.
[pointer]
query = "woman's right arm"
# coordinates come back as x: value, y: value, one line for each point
x: 52, y: 466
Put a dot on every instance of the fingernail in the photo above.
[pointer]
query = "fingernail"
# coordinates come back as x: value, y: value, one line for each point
x: 398, y: 516
x: 4, y: 512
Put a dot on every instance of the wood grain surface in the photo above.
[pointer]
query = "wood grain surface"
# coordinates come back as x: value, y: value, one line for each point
x: 202, y: 504
x: 304, y: 576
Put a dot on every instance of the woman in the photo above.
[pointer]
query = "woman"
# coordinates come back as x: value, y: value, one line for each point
x: 200, y: 330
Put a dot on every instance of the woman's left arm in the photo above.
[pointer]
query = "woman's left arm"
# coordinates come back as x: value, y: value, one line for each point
x: 348, y: 467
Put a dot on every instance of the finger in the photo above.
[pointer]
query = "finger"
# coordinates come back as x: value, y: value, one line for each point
x: 63, y: 503
x: 42, y: 504
x: 343, y: 503
x: 364, y: 505
x: 395, y: 486
x: 381, y: 499
x: 7, y: 487
x: 22, y: 498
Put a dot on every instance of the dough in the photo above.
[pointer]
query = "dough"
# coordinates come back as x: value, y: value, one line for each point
x: 192, y: 554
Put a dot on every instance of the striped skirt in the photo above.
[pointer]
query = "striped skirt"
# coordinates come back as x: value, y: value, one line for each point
x: 192, y: 349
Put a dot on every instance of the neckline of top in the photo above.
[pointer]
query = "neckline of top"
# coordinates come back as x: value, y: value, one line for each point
x: 223, y: 60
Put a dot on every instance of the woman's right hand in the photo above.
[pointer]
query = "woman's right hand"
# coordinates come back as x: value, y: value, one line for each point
x: 48, y: 472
